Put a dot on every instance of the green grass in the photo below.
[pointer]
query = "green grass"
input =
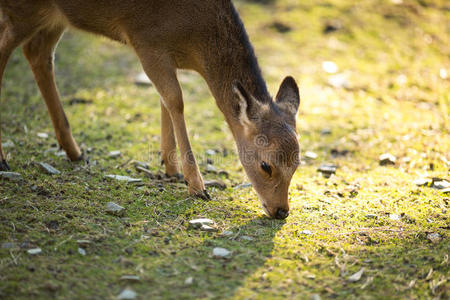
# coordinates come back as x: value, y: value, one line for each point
x: 380, y: 112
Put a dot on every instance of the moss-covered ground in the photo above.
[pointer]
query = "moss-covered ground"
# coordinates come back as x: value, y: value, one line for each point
x: 393, y: 57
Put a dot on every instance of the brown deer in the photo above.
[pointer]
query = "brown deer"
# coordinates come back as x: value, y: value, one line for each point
x: 206, y: 36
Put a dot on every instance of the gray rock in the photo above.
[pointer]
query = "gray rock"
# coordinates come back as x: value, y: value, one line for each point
x: 311, y: 155
x: 227, y: 233
x: 208, y: 228
x: 42, y: 135
x: 189, y: 280
x: 422, y: 181
x: 210, y: 152
x: 8, y: 144
x: 198, y: 223
x: 327, y: 170
x: 127, y: 294
x: 114, y: 209
x: 395, y: 217
x: 130, y: 278
x: 210, y: 168
x: 357, y: 276
x: 434, y: 237
x: 114, y: 154
x: 82, y: 251
x: 221, y: 252
x: 441, y: 184
x: 13, y: 176
x: 387, y: 159
x: 47, y: 168
x: 124, y: 178
x: 371, y: 216
x: 34, y: 251
x: 242, y: 186
x: 8, y: 245
x: 246, y: 238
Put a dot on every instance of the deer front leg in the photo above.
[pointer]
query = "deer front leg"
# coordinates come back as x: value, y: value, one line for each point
x: 161, y: 71
x: 39, y: 51
x: 168, y: 143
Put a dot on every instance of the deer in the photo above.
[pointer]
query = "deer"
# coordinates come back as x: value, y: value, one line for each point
x: 206, y: 36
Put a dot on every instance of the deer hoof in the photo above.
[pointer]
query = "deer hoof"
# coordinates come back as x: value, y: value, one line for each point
x: 204, y: 195
x: 4, y: 166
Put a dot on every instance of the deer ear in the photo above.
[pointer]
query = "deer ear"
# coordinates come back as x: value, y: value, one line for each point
x: 288, y: 97
x: 246, y: 106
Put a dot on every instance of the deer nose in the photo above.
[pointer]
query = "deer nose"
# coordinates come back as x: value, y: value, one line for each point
x: 282, y: 213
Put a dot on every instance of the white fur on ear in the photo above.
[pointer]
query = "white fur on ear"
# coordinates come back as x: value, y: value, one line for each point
x: 243, y: 98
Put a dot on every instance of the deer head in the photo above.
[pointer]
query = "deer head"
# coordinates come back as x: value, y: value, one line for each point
x: 267, y: 143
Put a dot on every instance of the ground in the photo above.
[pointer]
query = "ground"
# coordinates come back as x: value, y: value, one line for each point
x: 390, y: 95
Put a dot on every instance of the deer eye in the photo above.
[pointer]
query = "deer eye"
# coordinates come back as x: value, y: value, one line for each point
x: 266, y: 168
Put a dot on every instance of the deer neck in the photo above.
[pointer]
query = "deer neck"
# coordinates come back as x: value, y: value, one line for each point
x: 229, y: 56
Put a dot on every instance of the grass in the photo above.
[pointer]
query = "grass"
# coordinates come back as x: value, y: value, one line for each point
x: 396, y: 101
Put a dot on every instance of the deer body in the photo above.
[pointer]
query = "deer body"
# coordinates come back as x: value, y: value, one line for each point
x: 203, y: 35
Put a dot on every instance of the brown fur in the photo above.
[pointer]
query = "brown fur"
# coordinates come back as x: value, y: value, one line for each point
x: 203, y: 35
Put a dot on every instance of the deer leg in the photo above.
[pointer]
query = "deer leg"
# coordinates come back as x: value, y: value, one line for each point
x: 168, y: 143
x: 161, y: 71
x: 7, y: 44
x: 40, y: 52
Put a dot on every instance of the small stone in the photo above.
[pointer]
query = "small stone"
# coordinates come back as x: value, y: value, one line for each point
x: 227, y: 233
x: 208, y: 228
x: 315, y: 297
x: 395, y: 217
x: 306, y: 232
x: 142, y: 79
x: 357, y: 276
x: 61, y: 153
x: 311, y: 155
x: 8, y: 144
x: 422, y: 181
x: 114, y: 209
x: 221, y: 252
x: 371, y: 216
x: 329, y: 67
x: 441, y: 184
x: 124, y: 178
x: 42, y: 135
x: 127, y: 294
x: 331, y: 26
x: 242, y: 186
x: 327, y: 170
x: 141, y: 164
x: 34, y: 251
x: 83, y: 242
x: 189, y: 281
x: 216, y: 183
x: 198, y: 223
x: 246, y: 238
x: 210, y: 168
x: 434, y: 237
x: 130, y: 278
x: 387, y: 159
x: 13, y: 176
x: 49, y: 169
x: 8, y: 245
x: 210, y: 152
x: 114, y: 154
x: 82, y: 251
x: 325, y: 131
